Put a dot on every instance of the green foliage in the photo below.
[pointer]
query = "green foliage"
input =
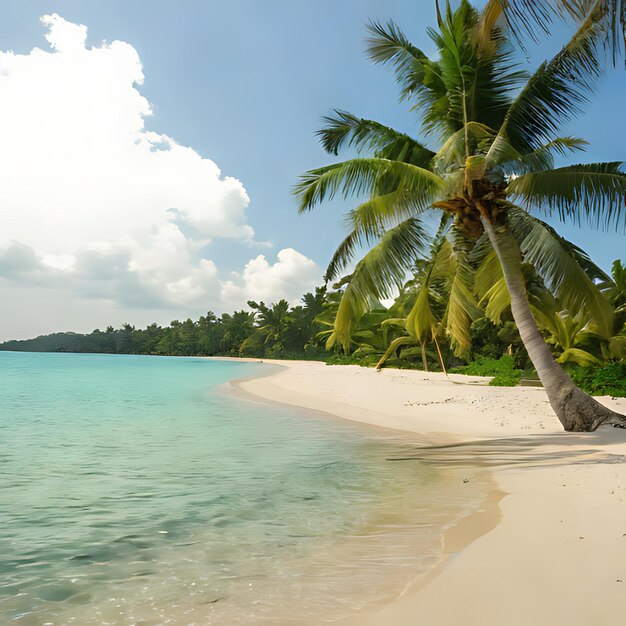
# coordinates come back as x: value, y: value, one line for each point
x: 267, y: 331
x: 608, y: 379
x: 616, y: 293
x: 530, y: 18
x: 503, y: 370
x: 496, y: 129
x: 96, y: 342
x: 285, y: 332
x: 506, y: 379
x: 485, y: 339
x: 564, y: 269
x: 364, y: 360
x: 590, y: 192
x: 344, y: 129
x: 375, y: 277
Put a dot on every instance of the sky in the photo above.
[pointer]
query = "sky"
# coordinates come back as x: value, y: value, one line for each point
x: 149, y: 149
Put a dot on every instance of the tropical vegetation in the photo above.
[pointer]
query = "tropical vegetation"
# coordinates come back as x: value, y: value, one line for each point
x: 277, y: 330
x: 491, y: 175
x: 267, y: 331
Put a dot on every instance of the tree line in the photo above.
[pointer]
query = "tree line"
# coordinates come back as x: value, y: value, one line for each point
x: 380, y: 337
x: 277, y: 330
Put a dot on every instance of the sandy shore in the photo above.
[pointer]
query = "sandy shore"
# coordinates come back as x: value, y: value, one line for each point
x: 548, y: 550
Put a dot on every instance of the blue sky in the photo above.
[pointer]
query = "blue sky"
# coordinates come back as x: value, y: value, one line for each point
x: 245, y: 83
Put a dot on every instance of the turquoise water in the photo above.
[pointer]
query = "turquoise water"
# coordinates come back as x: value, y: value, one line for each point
x: 136, y: 491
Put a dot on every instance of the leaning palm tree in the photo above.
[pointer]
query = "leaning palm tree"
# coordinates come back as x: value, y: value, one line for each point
x: 496, y: 132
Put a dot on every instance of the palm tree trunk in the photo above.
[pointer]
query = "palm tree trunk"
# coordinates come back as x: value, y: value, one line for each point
x: 443, y: 367
x: 575, y: 409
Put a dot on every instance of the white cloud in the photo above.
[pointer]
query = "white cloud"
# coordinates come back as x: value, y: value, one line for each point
x: 93, y: 203
x: 289, y: 277
x: 77, y: 158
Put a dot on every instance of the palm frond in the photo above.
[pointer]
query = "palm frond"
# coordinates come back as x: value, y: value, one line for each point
x: 397, y: 343
x: 579, y: 357
x: 479, y: 82
x: 450, y: 261
x: 391, y: 323
x: 490, y: 287
x: 555, y: 92
x: 522, y: 18
x: 364, y: 176
x: 376, y: 276
x: 493, y: 293
x: 344, y: 129
x: 597, y: 275
x: 343, y: 255
x: 374, y: 216
x: 594, y: 192
x: 512, y: 163
x: 564, y: 145
x: 421, y: 322
x: 617, y: 347
x: 611, y: 14
x: 555, y: 262
x: 615, y: 285
x: 387, y: 44
x: 452, y: 153
x: 462, y: 307
x: 527, y: 18
x: 368, y: 222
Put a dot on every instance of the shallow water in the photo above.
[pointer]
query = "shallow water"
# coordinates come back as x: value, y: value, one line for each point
x: 134, y: 491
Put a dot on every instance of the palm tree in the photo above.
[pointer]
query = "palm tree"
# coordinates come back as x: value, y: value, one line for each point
x: 424, y: 322
x: 616, y: 293
x: 234, y: 329
x: 367, y: 335
x: 271, y: 327
x: 497, y: 139
x: 616, y: 289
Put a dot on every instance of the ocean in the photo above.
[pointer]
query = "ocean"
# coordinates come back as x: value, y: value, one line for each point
x: 141, y: 490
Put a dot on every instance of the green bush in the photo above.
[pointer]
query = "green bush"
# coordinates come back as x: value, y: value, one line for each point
x: 485, y: 340
x: 365, y: 360
x: 506, y: 379
x: 607, y: 380
x: 503, y: 370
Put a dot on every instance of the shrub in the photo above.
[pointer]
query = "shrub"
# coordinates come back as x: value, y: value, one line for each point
x: 506, y: 379
x: 365, y: 360
x: 503, y: 370
x: 608, y: 379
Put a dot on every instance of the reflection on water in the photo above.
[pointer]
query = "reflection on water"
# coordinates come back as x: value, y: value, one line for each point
x: 133, y: 493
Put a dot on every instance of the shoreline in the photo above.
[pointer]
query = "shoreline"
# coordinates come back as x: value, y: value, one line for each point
x: 549, y: 547
x: 458, y: 536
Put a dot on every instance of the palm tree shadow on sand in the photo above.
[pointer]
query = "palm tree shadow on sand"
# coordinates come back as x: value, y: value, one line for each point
x: 549, y: 449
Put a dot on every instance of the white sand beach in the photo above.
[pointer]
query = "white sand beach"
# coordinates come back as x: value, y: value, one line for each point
x: 549, y: 548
